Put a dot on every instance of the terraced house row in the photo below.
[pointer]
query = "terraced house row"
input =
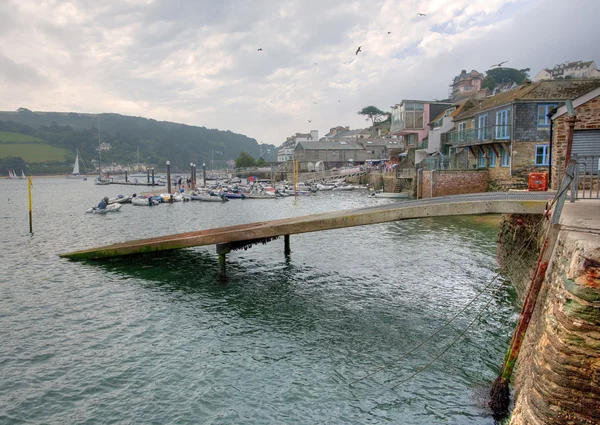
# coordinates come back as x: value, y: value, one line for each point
x: 505, y: 136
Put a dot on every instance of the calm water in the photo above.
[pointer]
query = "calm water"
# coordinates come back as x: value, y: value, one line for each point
x: 157, y: 341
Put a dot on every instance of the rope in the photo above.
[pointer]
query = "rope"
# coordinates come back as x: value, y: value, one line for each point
x: 453, y: 318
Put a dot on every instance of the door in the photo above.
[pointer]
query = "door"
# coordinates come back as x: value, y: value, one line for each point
x: 586, y: 145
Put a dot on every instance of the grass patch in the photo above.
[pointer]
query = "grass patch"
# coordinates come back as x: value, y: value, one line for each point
x: 8, y: 136
x: 33, y: 152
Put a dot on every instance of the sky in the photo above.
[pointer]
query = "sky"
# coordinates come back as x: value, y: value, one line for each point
x: 197, y: 61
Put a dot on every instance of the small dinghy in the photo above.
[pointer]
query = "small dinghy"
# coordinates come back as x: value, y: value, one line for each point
x: 260, y: 195
x: 120, y: 199
x: 389, y: 195
x: 109, y: 208
x: 232, y: 195
x: 208, y: 198
x: 144, y: 201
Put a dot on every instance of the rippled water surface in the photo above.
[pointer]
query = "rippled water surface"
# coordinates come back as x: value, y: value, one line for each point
x: 158, y: 341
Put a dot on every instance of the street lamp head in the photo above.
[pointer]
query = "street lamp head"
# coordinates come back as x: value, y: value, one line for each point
x: 191, y: 164
x: 168, y: 162
x: 204, y: 164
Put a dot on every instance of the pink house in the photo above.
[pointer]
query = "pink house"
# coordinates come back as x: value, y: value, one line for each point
x: 410, y: 119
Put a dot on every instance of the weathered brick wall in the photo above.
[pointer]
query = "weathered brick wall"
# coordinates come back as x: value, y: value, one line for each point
x: 454, y: 182
x: 589, y: 114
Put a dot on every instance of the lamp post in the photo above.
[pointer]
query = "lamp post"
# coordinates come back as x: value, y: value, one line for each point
x: 169, y: 176
x: 192, y: 175
x: 152, y: 169
x: 203, y: 174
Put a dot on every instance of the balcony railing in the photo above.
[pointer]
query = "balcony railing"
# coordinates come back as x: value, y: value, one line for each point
x: 477, y: 136
x: 423, y: 145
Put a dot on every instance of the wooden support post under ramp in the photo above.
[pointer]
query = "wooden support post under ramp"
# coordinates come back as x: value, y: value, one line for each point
x: 225, y: 248
x: 286, y: 245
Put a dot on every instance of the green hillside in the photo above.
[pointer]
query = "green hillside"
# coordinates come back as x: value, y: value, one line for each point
x: 158, y: 141
x: 11, y: 137
x: 33, y: 152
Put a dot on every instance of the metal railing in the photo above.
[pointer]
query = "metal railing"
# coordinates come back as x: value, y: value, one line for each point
x: 477, y: 136
x: 423, y: 145
x: 586, y: 177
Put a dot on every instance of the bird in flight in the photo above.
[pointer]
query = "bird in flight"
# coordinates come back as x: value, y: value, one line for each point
x: 499, y: 64
x: 260, y: 49
x: 315, y: 103
x: 358, y: 50
x: 421, y: 14
x: 309, y: 120
x: 315, y: 63
x: 339, y: 100
x: 389, y: 32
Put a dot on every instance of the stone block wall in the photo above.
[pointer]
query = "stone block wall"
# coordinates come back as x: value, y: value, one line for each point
x: 557, y: 378
x: 523, y: 162
x: 453, y: 182
x: 589, y: 114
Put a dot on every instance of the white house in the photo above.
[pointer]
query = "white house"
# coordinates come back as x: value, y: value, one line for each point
x: 567, y: 70
x: 286, y: 150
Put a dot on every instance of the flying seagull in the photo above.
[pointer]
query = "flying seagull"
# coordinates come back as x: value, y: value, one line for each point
x: 309, y: 120
x: 358, y: 50
x: 260, y: 50
x: 315, y: 103
x: 315, y: 63
x: 339, y: 100
x: 389, y: 32
x: 499, y: 64
x: 421, y: 14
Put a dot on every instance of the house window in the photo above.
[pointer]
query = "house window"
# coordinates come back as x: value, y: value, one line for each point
x: 492, y: 158
x: 411, y: 139
x: 482, y: 128
x: 412, y: 115
x: 462, y: 128
x: 481, y: 159
x: 505, y: 158
x: 541, y: 155
x: 502, y: 124
x: 542, y: 115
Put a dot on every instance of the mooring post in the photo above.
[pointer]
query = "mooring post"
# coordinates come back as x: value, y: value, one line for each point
x: 286, y: 245
x: 152, y: 169
x: 222, y: 250
x: 126, y: 176
x: 147, y: 175
x: 169, y: 176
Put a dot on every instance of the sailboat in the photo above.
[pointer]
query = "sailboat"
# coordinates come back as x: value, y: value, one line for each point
x: 100, y: 180
x: 23, y: 176
x: 11, y: 174
x: 75, y: 173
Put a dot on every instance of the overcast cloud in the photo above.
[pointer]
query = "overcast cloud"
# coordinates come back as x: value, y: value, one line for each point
x: 196, y: 62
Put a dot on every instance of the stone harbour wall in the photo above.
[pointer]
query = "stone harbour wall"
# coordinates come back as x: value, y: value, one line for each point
x: 557, y: 380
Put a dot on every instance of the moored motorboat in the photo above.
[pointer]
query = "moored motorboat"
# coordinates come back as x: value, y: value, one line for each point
x: 390, y: 195
x: 208, y: 198
x: 120, y: 199
x: 325, y: 187
x: 343, y: 188
x: 144, y: 201
x: 233, y: 195
x: 109, y: 208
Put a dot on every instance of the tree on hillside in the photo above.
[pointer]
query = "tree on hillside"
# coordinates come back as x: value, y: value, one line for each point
x: 244, y: 160
x: 374, y: 114
x: 261, y: 161
x: 497, y: 76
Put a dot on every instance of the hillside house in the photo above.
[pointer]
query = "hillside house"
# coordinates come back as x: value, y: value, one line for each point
x: 509, y: 133
x: 569, y: 70
x: 410, y: 120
